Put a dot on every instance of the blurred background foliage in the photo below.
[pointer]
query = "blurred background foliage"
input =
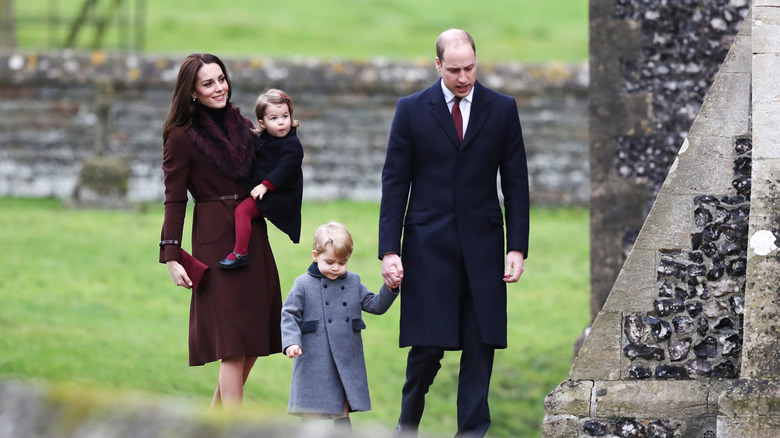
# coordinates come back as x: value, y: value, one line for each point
x: 505, y: 30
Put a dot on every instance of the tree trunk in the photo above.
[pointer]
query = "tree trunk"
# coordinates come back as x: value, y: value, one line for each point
x: 7, y: 24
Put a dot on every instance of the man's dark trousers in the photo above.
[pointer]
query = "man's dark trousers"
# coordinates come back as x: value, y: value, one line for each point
x: 476, y: 367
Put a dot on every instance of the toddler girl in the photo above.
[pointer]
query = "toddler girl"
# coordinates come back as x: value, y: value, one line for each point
x: 277, y: 182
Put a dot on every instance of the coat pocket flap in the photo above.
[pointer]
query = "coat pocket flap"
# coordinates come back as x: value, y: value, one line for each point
x: 358, y: 324
x: 416, y: 217
x: 309, y: 326
x: 496, y: 217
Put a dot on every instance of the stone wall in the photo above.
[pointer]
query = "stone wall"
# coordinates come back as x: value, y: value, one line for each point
x: 651, y: 62
x: 686, y: 344
x: 50, y: 102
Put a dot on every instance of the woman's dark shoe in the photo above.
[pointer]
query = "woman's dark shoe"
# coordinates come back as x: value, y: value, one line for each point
x: 237, y: 262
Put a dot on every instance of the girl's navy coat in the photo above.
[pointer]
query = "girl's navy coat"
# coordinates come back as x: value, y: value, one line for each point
x: 278, y: 160
x: 323, y: 316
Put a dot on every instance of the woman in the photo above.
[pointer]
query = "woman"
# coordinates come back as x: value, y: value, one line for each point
x: 234, y: 315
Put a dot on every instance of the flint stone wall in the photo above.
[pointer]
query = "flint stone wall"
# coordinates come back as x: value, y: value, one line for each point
x: 686, y: 344
x: 652, y: 63
x: 48, y: 119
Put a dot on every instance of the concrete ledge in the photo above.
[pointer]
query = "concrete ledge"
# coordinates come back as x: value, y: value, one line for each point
x: 766, y: 27
x: 668, y: 223
x: 560, y: 426
x: 651, y: 399
x: 727, y: 106
x: 704, y: 166
x: 759, y: 397
x: 600, y: 357
x: 748, y: 427
x: 571, y: 397
x: 38, y: 411
x: 634, y: 290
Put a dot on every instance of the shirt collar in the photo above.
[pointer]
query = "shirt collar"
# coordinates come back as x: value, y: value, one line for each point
x: 448, y: 95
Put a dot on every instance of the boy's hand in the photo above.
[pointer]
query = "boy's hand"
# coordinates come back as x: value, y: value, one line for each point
x: 293, y: 351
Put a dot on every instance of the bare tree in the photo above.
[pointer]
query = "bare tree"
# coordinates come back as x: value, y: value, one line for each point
x: 7, y: 24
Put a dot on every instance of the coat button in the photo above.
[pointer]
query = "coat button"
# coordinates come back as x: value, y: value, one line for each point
x: 330, y: 320
x: 324, y: 286
x: 342, y: 287
x: 346, y: 319
x: 327, y: 303
x: 344, y: 304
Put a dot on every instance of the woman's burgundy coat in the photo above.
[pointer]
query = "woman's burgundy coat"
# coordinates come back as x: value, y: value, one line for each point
x: 233, y: 312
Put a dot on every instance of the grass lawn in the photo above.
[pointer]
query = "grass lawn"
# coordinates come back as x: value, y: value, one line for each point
x: 505, y: 30
x: 86, y: 303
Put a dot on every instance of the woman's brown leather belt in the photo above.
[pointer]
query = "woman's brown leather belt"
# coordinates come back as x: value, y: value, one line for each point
x: 221, y: 198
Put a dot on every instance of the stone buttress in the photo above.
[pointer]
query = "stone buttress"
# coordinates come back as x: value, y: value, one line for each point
x: 687, y: 343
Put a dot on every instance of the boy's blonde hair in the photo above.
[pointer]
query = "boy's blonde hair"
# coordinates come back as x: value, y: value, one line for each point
x: 335, y: 235
x: 273, y: 96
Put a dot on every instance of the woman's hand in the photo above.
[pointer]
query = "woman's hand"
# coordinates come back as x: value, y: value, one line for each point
x: 179, y: 275
x: 293, y: 351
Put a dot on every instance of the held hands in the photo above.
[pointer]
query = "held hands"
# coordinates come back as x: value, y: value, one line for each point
x: 293, y: 351
x: 515, y: 265
x: 179, y: 275
x: 392, y: 270
x: 259, y: 191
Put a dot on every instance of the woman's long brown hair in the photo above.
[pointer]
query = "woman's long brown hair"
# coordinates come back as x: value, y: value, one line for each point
x: 182, y: 105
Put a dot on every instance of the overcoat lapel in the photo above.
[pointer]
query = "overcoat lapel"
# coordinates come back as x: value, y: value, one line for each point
x: 442, y: 115
x: 480, y: 110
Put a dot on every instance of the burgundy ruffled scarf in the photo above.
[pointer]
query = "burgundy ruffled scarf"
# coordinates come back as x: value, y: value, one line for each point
x: 231, y: 155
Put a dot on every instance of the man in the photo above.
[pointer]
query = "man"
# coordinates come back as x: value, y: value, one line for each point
x: 440, y: 191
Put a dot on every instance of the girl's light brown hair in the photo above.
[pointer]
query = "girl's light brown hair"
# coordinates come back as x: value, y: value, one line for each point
x: 273, y: 96
x: 335, y: 235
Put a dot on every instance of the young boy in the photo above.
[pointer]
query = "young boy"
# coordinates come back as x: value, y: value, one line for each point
x: 321, y: 324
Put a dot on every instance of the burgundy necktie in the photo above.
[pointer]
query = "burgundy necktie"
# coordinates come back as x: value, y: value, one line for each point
x: 457, y: 117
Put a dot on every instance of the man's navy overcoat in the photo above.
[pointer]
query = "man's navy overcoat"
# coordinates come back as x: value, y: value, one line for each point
x: 442, y: 196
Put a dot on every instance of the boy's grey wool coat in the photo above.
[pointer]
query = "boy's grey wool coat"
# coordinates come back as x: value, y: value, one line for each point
x: 323, y: 316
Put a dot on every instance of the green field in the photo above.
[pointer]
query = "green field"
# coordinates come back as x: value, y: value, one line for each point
x: 86, y: 303
x: 505, y: 30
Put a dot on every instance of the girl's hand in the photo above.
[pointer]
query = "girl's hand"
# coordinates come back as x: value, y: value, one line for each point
x: 179, y: 275
x: 259, y: 191
x: 293, y: 351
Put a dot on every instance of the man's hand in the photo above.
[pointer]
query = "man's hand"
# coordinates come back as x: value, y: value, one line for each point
x: 392, y: 270
x: 515, y: 265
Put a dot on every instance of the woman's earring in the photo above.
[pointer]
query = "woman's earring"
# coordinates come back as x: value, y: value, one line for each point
x: 194, y: 99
